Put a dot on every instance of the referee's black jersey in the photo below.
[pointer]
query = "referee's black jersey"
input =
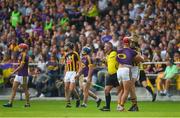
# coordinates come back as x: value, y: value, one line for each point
x: 71, y: 61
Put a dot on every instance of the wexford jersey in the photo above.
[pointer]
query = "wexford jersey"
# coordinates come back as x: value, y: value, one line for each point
x: 71, y: 61
x: 86, y: 62
x: 126, y: 55
x: 112, y: 63
x: 23, y: 58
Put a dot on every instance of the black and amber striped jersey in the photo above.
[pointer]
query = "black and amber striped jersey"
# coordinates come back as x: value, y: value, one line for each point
x: 141, y: 65
x: 72, y: 61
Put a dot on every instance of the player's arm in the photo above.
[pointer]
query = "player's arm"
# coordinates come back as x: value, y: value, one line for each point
x: 65, y: 66
x: 65, y: 69
x: 79, y: 72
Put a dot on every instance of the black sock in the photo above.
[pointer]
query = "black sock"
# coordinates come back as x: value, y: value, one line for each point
x: 108, y: 100
x: 149, y: 89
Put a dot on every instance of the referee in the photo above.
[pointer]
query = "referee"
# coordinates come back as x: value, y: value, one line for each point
x: 111, y: 80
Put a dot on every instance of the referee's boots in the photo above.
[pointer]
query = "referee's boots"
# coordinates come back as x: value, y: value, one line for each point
x: 105, y: 109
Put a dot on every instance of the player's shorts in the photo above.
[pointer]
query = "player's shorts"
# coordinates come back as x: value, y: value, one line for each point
x: 135, y: 72
x: 123, y: 74
x: 112, y: 80
x: 70, y: 76
x: 21, y: 79
x: 142, y: 76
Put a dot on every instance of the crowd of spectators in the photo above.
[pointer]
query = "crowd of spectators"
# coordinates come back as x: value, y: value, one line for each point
x: 46, y: 25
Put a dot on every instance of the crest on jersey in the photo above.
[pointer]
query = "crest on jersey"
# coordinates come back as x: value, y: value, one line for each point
x: 122, y: 56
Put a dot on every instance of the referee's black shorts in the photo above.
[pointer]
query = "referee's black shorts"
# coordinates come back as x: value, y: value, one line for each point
x: 112, y: 80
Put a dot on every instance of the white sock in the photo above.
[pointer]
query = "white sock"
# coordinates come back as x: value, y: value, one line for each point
x: 165, y: 91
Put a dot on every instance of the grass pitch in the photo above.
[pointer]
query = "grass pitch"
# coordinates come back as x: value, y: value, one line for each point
x: 57, y: 109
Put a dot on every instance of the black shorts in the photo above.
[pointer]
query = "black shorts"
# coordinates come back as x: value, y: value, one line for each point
x: 112, y: 80
x: 142, y: 76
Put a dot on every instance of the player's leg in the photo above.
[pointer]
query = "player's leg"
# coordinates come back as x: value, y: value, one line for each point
x: 16, y: 83
x: 14, y: 89
x: 25, y: 87
x: 66, y: 88
x: 135, y: 76
x: 67, y: 95
x: 149, y: 89
x: 75, y: 92
x: 86, y: 87
x: 120, y: 93
x: 71, y: 89
x: 126, y: 88
x: 133, y: 96
x: 127, y: 83
x: 96, y: 98
x: 85, y: 94
x: 143, y: 81
x: 70, y: 86
x: 119, y: 77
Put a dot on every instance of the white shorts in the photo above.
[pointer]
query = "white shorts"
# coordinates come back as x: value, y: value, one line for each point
x: 135, y: 72
x: 19, y: 79
x: 123, y: 74
x: 70, y: 76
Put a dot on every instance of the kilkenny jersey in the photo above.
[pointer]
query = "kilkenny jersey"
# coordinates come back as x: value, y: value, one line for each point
x: 71, y: 61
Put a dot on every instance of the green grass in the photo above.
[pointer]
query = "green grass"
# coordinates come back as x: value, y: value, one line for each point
x: 57, y: 109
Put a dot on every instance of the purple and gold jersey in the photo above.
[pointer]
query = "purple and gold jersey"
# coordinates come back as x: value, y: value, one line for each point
x: 23, y: 58
x: 86, y: 61
x: 126, y: 55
